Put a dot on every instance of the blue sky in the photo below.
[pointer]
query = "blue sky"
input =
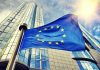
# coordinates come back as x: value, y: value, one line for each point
x: 88, y: 11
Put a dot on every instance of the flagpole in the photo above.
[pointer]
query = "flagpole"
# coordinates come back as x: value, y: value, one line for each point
x: 10, y: 65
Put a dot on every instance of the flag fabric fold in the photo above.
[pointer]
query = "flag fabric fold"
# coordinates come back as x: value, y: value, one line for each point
x: 62, y: 34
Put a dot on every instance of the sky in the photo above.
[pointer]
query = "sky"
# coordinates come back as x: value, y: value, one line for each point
x: 88, y: 11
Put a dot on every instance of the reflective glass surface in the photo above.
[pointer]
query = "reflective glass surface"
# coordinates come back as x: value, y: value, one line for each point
x: 85, y: 65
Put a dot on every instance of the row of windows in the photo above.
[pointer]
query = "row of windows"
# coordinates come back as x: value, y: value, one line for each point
x: 37, y: 60
x: 39, y: 18
x: 61, y: 60
x: 83, y: 54
x: 95, y: 44
x: 7, y: 28
x: 13, y: 40
x: 7, y: 52
x: 85, y: 65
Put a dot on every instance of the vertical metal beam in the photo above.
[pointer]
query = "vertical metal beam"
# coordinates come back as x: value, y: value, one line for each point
x: 40, y: 59
x: 33, y: 17
x: 29, y: 57
x: 32, y: 25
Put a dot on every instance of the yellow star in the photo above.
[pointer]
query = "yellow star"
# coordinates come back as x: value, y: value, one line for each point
x: 45, y: 28
x: 50, y: 42
x: 37, y: 35
x: 38, y: 39
x: 57, y: 26
x: 42, y: 40
x: 40, y: 31
x: 51, y: 27
x: 64, y: 35
x: 62, y: 41
x: 62, y: 29
x: 57, y: 43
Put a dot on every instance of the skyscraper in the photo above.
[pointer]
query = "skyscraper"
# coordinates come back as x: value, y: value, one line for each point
x: 43, y: 59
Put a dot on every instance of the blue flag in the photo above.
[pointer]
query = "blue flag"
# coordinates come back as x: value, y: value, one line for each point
x: 62, y: 34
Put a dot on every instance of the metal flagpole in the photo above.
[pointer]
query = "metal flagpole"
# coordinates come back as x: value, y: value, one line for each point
x: 40, y: 59
x: 22, y: 28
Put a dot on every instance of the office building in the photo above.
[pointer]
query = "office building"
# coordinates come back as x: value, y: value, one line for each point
x: 41, y: 58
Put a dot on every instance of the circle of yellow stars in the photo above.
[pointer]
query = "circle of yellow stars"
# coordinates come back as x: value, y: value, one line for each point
x: 50, y: 42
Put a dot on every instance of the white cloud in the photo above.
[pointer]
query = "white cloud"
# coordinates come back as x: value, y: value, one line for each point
x: 52, y: 9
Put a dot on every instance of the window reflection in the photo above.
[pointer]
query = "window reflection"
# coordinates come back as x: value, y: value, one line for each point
x: 84, y: 54
x: 85, y: 65
x: 88, y: 65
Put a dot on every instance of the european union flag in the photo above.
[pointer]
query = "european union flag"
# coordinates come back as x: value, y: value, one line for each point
x: 62, y: 34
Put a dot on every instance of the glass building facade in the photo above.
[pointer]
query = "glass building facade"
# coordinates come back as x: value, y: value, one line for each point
x: 44, y: 59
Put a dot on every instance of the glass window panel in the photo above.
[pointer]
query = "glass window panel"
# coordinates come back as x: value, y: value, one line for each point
x: 1, y: 38
x: 5, y: 39
x: 33, y: 51
x: 9, y: 20
x: 46, y: 53
x: 8, y: 35
x: 37, y: 64
x: 21, y: 58
x: 7, y: 29
x: 32, y: 64
x: 0, y: 32
x: 3, y: 34
x: 88, y: 55
x: 82, y: 54
x: 44, y: 57
x: 2, y: 28
x: 32, y: 56
x: 22, y: 53
x: 37, y: 54
x: 43, y: 52
x: 11, y: 30
x: 11, y: 24
x: 37, y: 51
x: 26, y: 54
x: 1, y: 45
x: 89, y: 65
x: 86, y: 65
x: 94, y: 66
x: 37, y: 57
x: 25, y: 60
x: 6, y: 23
x: 44, y: 64
x: 14, y: 20
x: 0, y: 41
